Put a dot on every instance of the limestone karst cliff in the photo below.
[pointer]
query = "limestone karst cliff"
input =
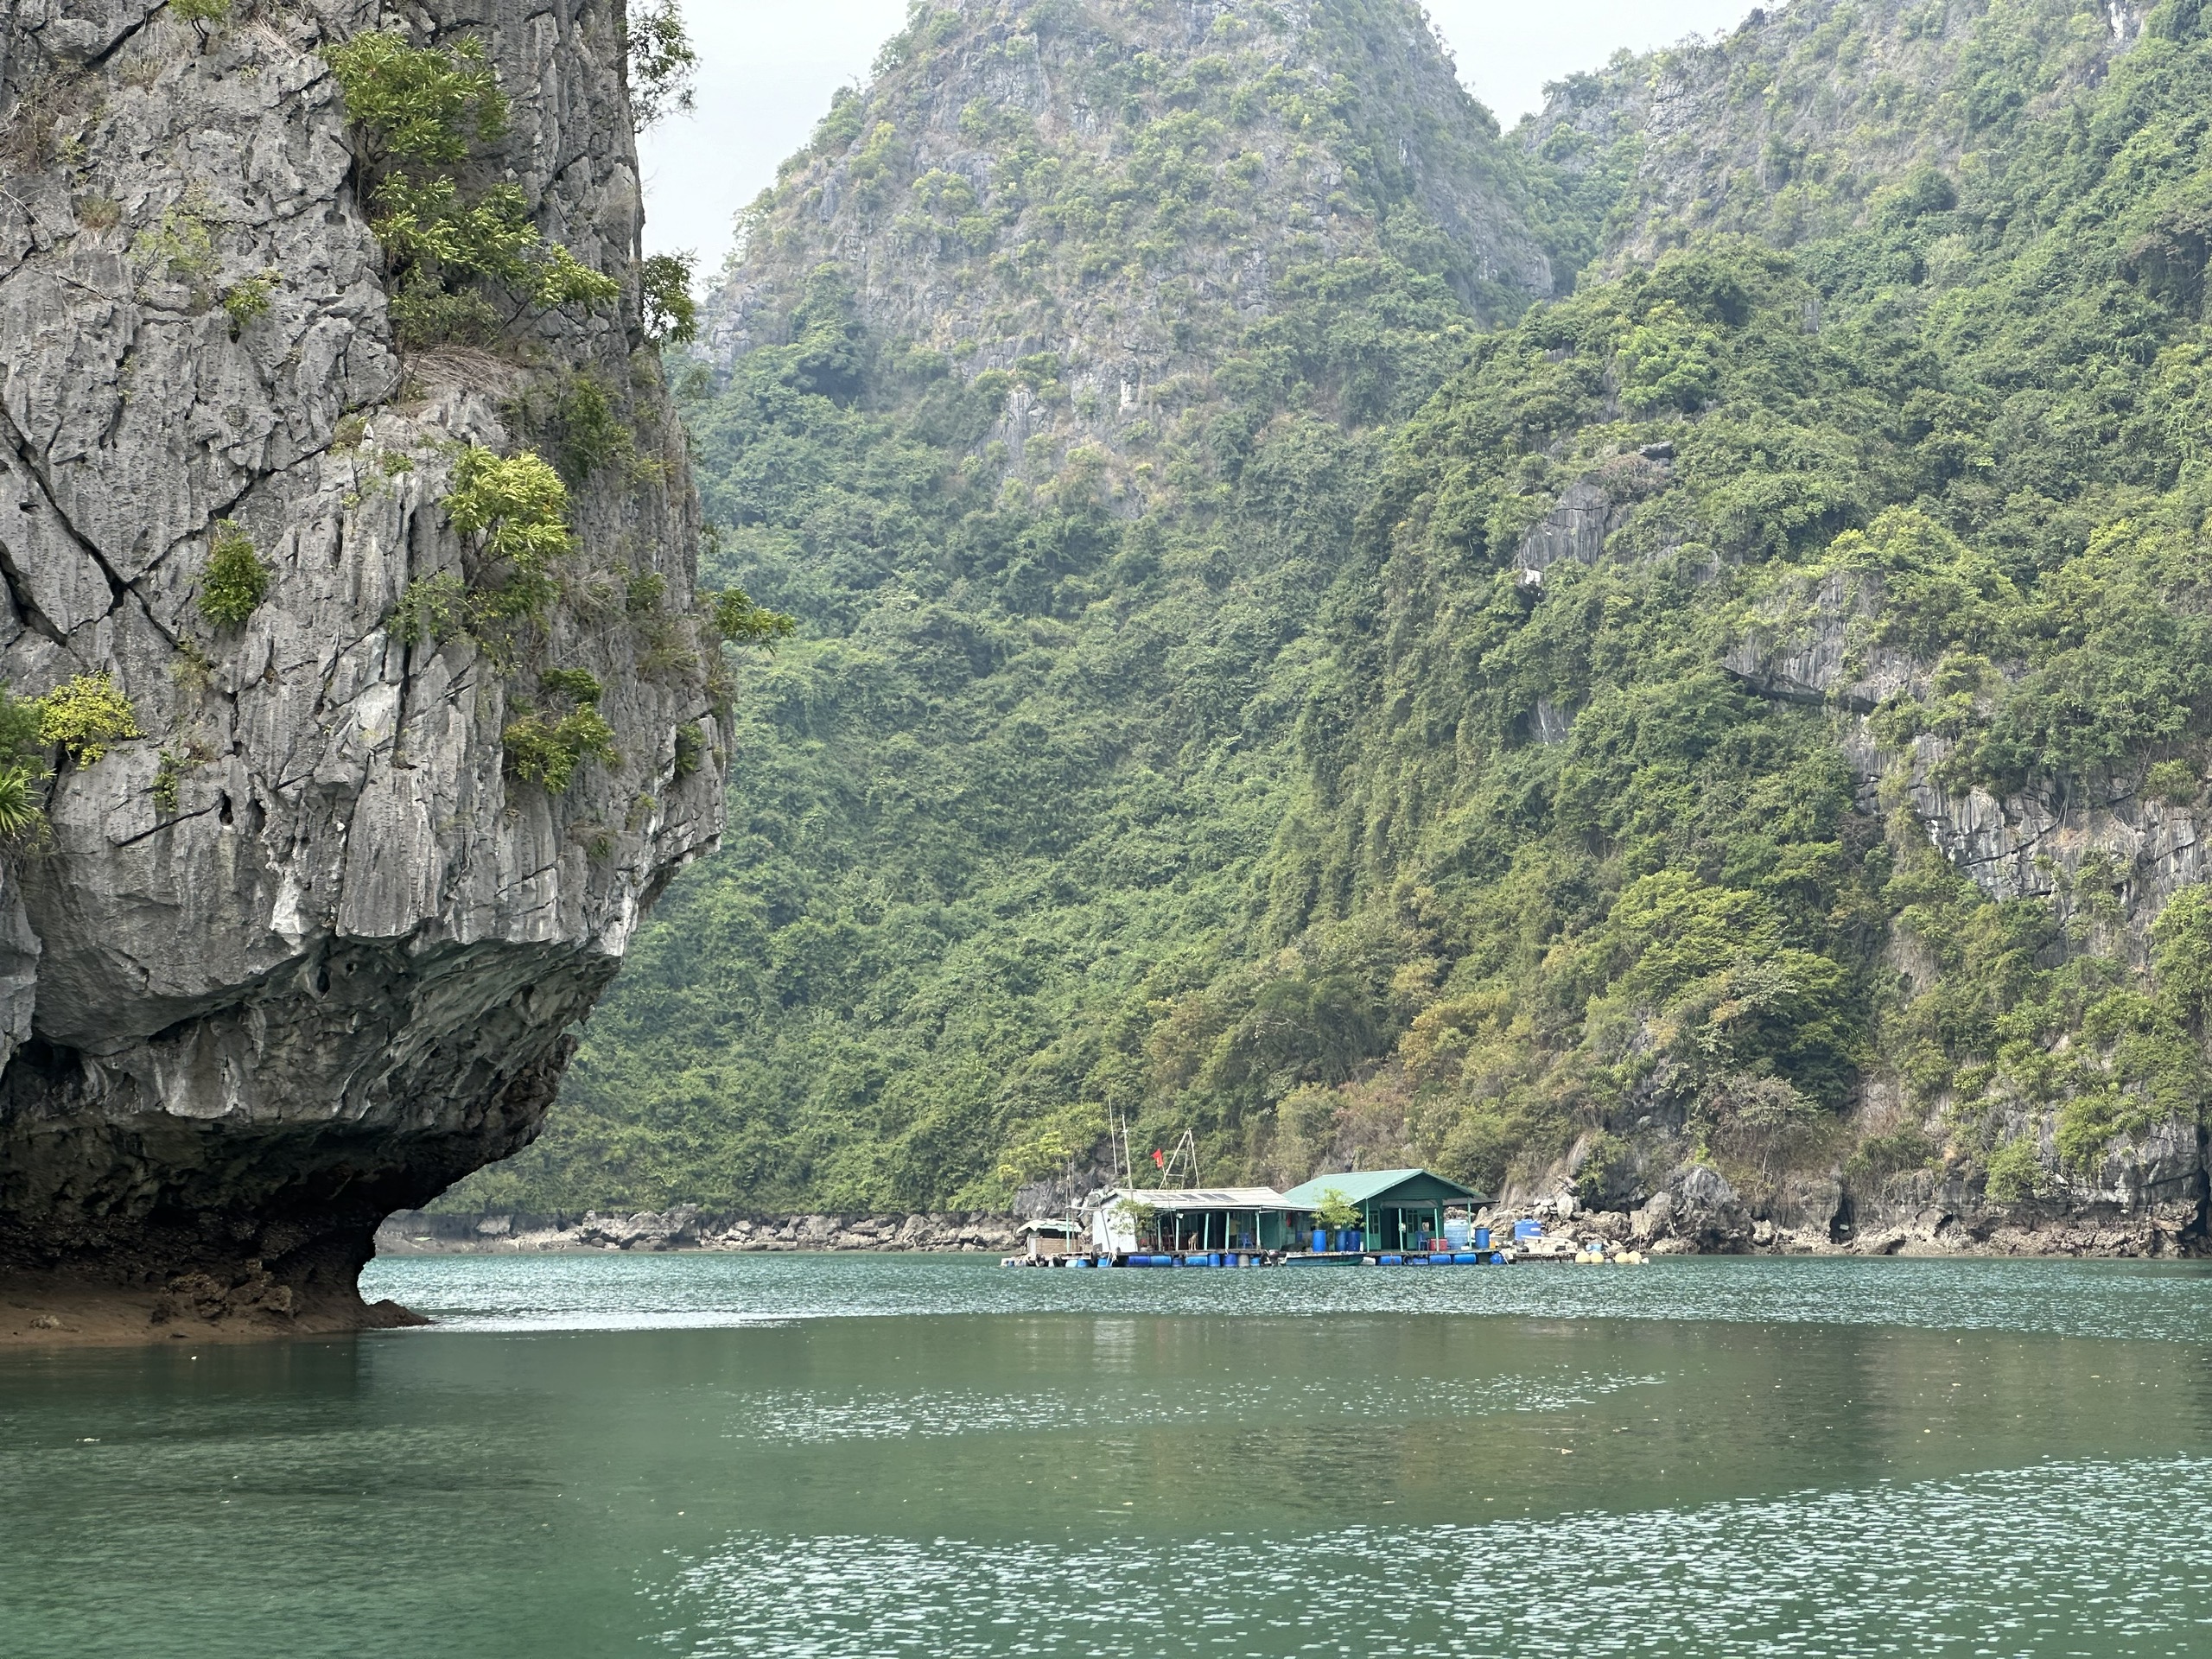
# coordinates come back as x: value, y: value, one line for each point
x: 1094, y: 202
x: 304, y: 944
x: 1800, y: 123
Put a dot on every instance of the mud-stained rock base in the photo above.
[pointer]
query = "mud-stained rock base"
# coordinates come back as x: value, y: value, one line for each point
x: 51, y: 1310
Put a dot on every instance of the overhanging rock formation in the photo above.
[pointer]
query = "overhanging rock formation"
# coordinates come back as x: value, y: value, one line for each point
x: 308, y: 950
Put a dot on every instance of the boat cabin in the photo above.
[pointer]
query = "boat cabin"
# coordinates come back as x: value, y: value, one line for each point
x: 1049, y: 1239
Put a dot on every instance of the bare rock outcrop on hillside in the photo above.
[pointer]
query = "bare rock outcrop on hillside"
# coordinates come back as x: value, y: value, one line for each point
x: 2065, y: 839
x: 1098, y: 199
x: 1791, y: 126
x: 305, y: 951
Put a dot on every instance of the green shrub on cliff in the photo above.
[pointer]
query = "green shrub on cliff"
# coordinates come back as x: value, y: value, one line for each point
x: 23, y: 753
x: 422, y: 112
x: 518, y: 503
x: 664, y: 65
x: 672, y: 316
x: 738, y: 619
x: 85, y: 717
x: 236, y: 581
x: 419, y: 104
x: 2015, y: 1171
x: 22, y: 817
x: 547, y: 747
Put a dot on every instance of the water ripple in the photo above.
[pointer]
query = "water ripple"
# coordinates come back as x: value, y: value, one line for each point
x: 2081, y: 1558
x: 888, y: 1415
x: 2159, y: 1302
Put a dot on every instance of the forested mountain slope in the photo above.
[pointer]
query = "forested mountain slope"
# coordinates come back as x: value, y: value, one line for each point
x: 1055, y: 539
x: 1754, y: 711
x: 1788, y: 128
x: 1099, y: 199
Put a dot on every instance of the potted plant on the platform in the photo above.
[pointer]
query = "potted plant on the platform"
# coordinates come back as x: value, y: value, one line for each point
x: 1336, y: 1216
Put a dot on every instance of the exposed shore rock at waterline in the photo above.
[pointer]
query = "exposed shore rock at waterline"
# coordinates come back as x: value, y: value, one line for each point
x: 1696, y: 1212
x: 301, y: 949
x: 686, y: 1227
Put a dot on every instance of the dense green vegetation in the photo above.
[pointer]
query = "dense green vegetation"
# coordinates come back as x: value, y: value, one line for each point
x: 456, y: 252
x: 1290, y: 809
x: 237, y: 580
x: 1016, y: 777
x: 1825, y: 104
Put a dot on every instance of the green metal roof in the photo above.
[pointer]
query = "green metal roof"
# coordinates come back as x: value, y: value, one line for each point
x: 1369, y: 1185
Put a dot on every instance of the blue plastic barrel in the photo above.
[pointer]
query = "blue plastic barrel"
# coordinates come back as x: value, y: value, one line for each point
x: 1394, y: 1261
x: 1482, y: 1238
x: 1320, y: 1238
x: 1496, y: 1259
x: 1465, y: 1259
x: 1354, y: 1239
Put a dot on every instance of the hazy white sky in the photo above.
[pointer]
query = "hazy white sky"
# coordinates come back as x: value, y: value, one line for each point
x: 769, y: 66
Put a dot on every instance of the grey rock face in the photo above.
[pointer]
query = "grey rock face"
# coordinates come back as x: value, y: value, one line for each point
x: 1706, y: 157
x: 329, y: 966
x: 2061, y: 840
x: 922, y: 201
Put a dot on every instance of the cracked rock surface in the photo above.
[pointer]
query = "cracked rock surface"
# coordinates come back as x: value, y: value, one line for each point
x: 305, y: 953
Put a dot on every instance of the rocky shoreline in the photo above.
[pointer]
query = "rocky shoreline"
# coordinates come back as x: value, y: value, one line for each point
x: 1699, y: 1213
x: 687, y: 1227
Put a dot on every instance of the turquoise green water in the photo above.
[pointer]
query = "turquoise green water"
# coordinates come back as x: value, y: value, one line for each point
x: 845, y: 1456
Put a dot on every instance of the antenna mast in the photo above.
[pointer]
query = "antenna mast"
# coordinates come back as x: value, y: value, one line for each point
x: 1185, y: 1157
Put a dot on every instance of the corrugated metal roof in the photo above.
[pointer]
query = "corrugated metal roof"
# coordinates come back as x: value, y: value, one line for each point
x: 1199, y: 1198
x: 1358, y: 1185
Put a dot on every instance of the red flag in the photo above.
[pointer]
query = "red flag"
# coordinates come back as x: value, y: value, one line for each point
x: 1159, y: 1157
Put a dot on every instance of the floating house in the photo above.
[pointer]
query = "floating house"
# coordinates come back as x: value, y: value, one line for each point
x: 1126, y: 1219
x: 1400, y: 1208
